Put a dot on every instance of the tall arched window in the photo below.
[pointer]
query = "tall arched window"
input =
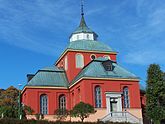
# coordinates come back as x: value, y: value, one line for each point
x: 98, y: 97
x: 44, y: 104
x: 79, y: 60
x: 62, y: 102
x: 126, y: 97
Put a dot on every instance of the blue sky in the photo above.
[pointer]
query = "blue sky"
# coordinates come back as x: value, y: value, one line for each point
x: 33, y: 33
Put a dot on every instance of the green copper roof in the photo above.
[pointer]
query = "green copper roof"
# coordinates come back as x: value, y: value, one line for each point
x: 89, y: 45
x: 49, y: 76
x: 96, y: 70
x: 83, y: 27
x: 51, y: 68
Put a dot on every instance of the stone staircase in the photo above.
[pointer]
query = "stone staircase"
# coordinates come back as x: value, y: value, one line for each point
x: 121, y: 117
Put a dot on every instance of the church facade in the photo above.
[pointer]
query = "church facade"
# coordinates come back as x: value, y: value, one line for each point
x: 86, y: 71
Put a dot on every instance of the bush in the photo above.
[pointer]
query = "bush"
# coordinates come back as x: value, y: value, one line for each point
x: 39, y: 116
x: 16, y: 121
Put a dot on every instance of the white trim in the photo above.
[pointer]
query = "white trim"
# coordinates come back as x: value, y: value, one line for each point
x: 66, y: 63
x: 92, y: 55
x: 86, y: 51
x: 117, y: 96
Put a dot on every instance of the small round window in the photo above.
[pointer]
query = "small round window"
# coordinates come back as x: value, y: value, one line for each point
x: 93, y: 56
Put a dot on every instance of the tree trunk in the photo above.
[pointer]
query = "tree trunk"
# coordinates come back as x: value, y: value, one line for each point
x: 82, y: 119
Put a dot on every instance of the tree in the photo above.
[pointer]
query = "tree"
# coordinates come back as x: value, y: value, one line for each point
x: 27, y: 109
x: 61, y: 114
x: 155, y: 93
x: 9, y: 102
x: 9, y: 97
x: 1, y: 91
x: 82, y: 110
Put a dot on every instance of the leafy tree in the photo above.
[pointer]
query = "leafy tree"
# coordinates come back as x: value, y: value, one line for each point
x: 9, y: 102
x: 28, y: 110
x: 9, y: 111
x: 9, y: 97
x: 82, y: 110
x: 61, y: 114
x: 1, y: 91
x: 155, y: 93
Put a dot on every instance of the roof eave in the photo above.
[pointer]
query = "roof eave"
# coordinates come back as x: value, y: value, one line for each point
x: 65, y: 51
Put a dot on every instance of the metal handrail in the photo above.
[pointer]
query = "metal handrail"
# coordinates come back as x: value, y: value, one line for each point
x: 126, y: 115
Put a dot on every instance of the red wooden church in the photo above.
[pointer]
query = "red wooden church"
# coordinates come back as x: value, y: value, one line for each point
x: 87, y: 71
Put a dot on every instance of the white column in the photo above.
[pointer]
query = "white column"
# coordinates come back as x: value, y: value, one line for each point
x: 119, y: 104
x: 108, y: 104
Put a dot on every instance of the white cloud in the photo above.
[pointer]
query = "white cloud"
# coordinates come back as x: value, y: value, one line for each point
x: 144, y: 57
x: 23, y: 23
x: 146, y: 39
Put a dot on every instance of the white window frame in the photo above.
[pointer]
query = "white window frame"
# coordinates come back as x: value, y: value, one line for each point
x: 79, y: 60
x: 92, y: 55
x: 98, y: 97
x: 62, y: 102
x: 44, y: 104
x: 126, y: 97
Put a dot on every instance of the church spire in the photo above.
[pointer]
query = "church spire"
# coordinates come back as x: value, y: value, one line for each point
x: 83, y: 32
x: 82, y: 7
x: 82, y: 22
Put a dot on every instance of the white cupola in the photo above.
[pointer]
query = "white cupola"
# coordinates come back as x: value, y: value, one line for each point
x: 83, y: 32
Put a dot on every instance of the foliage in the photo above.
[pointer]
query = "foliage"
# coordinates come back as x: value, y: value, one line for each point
x: 28, y: 110
x: 15, y: 121
x: 82, y: 110
x: 155, y: 94
x: 39, y: 116
x: 9, y: 102
x: 61, y: 114
x: 9, y: 97
x: 9, y: 111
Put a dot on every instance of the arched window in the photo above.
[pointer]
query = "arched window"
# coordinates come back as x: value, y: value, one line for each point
x: 79, y: 60
x: 62, y: 102
x: 107, y: 57
x: 44, y: 104
x: 126, y: 97
x: 66, y: 63
x: 98, y: 97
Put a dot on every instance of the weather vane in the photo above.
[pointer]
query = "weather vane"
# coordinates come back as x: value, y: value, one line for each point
x: 82, y: 7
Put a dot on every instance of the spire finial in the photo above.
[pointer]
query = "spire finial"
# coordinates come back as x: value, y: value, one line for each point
x: 82, y: 7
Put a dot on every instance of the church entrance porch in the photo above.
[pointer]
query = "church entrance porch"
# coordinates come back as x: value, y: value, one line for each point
x: 113, y: 102
x: 114, y: 110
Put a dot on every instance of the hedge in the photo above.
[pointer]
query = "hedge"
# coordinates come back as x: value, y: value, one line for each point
x: 16, y: 121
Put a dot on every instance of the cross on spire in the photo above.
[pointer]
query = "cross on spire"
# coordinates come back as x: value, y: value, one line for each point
x: 82, y: 7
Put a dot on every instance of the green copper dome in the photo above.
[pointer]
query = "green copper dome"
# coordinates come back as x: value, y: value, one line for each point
x: 89, y: 45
